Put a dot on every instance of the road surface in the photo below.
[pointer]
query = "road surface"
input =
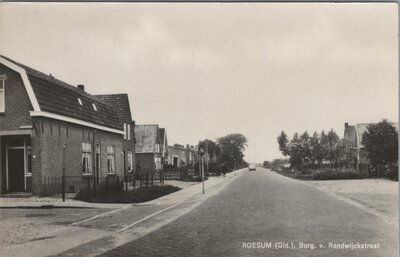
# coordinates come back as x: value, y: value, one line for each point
x: 262, y: 213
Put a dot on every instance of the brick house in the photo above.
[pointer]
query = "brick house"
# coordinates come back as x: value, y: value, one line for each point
x: 148, y: 151
x: 47, y: 124
x: 180, y: 156
x: 353, y: 139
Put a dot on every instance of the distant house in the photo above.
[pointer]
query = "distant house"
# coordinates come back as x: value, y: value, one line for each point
x: 47, y: 124
x: 120, y: 102
x: 180, y: 156
x: 353, y: 138
x: 148, y: 150
x: 163, y: 146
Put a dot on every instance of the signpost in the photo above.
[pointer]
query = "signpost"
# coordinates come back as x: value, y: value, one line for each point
x: 201, y: 153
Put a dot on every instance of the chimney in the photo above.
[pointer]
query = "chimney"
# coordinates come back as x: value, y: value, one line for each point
x: 81, y: 87
x: 346, y: 125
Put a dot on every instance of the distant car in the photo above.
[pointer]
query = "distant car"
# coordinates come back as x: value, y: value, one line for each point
x: 252, y: 167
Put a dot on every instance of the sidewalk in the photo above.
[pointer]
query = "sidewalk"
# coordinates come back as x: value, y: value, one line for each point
x: 52, y: 202
x: 81, y: 233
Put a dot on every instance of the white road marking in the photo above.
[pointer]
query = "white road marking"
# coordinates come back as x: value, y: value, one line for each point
x: 98, y: 216
x: 151, y: 215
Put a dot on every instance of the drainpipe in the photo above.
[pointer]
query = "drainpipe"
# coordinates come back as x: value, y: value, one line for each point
x: 94, y: 163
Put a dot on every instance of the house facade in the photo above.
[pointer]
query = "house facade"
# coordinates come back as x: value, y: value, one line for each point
x: 148, y: 151
x: 49, y: 128
x: 181, y: 156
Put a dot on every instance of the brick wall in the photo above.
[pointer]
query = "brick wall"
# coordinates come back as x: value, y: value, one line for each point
x: 129, y: 145
x: 17, y: 103
x: 51, y: 135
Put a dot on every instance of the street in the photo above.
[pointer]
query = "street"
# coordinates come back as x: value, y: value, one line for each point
x: 261, y: 206
x: 253, y: 213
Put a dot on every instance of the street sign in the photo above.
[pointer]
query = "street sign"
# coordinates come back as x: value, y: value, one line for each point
x: 202, y: 150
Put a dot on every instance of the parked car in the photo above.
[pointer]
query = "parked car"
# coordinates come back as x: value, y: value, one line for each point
x: 252, y: 167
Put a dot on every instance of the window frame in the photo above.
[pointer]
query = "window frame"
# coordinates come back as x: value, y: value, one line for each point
x: 125, y: 129
x: 3, y: 91
x: 110, y: 160
x: 86, y: 154
x: 130, y: 161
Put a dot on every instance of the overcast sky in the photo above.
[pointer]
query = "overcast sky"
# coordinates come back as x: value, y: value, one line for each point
x: 207, y: 70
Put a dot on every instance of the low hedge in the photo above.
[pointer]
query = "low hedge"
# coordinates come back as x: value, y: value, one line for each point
x: 334, y: 175
x: 118, y: 195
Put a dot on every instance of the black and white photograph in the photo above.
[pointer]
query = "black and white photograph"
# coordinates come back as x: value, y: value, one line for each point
x: 191, y: 129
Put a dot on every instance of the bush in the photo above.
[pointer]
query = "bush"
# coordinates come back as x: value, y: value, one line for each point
x: 116, y: 194
x: 332, y: 175
x: 195, y: 179
x: 391, y: 172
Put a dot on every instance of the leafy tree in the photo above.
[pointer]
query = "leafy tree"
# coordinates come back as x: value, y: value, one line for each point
x: 381, y: 143
x: 305, y: 147
x: 316, y: 150
x: 283, y: 143
x: 232, y: 148
x: 212, y: 147
x: 295, y: 151
x: 329, y: 144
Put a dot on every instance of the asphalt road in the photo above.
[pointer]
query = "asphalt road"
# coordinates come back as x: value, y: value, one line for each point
x: 274, y: 211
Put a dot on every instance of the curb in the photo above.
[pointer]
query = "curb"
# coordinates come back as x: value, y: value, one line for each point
x: 91, y: 205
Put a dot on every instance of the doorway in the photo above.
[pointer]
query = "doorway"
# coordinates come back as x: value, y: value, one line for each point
x: 16, y: 170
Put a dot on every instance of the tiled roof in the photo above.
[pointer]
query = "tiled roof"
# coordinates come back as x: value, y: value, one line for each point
x: 58, y: 97
x: 119, y: 102
x: 146, y: 138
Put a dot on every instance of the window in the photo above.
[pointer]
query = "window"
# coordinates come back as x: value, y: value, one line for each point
x: 111, y: 159
x: 80, y: 101
x: 2, y: 93
x: 86, y: 158
x: 125, y: 131
x: 129, y: 132
x: 94, y: 107
x: 130, y: 161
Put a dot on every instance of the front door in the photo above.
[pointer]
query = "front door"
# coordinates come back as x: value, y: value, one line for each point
x: 16, y: 170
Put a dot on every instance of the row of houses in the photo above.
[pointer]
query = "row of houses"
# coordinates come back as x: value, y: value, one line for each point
x: 49, y: 128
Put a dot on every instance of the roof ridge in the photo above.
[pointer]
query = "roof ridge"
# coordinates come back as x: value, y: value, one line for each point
x: 54, y: 80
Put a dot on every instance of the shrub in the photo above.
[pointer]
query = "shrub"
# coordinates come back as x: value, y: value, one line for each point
x: 116, y: 194
x: 331, y: 175
x: 195, y: 179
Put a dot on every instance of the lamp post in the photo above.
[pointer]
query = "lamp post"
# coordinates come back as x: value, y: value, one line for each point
x: 63, y: 174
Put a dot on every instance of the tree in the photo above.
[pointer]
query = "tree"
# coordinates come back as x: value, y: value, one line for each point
x: 295, y: 158
x: 212, y: 147
x: 316, y: 151
x: 283, y: 143
x: 329, y: 144
x: 305, y: 147
x: 381, y: 143
x: 232, y: 149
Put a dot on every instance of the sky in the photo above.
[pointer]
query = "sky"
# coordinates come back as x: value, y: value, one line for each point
x: 205, y: 70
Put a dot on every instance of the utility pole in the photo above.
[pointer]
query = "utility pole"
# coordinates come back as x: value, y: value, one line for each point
x: 201, y: 154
